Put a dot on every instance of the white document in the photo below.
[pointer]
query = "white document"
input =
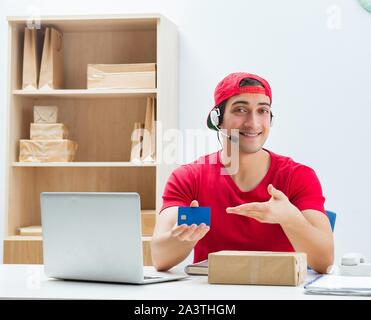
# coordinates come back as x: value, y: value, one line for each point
x: 339, y: 285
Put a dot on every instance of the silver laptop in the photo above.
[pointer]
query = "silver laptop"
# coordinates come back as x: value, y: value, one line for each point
x: 94, y: 237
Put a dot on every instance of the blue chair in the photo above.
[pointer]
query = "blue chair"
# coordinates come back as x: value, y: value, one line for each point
x: 332, y: 217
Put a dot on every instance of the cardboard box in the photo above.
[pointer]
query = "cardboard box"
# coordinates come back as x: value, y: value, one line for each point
x: 122, y: 76
x: 48, y: 131
x: 47, y: 150
x: 257, y: 267
x: 45, y: 114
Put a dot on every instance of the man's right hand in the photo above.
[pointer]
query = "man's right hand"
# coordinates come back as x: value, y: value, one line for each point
x: 191, y: 233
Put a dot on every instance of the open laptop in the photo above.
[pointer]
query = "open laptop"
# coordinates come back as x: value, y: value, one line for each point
x: 94, y: 236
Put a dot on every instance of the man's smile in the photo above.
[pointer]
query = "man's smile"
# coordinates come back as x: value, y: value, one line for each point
x: 250, y: 134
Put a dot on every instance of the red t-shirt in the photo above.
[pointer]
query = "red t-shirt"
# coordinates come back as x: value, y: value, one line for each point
x: 202, y: 181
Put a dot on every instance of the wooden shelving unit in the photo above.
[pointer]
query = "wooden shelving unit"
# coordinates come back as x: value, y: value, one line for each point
x: 100, y: 121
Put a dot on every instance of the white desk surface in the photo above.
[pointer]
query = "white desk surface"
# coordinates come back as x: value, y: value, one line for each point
x: 30, y: 282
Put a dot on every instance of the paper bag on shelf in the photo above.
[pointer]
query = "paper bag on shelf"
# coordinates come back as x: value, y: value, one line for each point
x: 48, y: 131
x: 31, y: 60
x: 47, y: 150
x: 257, y: 268
x: 51, y: 70
x: 121, y: 76
x: 45, y: 114
x: 136, y: 142
x: 149, y: 135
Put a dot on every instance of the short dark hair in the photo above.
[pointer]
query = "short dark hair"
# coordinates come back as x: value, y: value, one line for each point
x: 244, y: 83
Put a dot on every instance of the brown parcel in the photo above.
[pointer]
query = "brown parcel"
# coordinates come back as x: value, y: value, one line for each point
x: 122, y: 76
x: 48, y: 131
x: 45, y: 114
x: 47, y: 150
x: 257, y: 267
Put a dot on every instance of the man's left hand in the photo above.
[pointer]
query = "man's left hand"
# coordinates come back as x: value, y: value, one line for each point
x: 278, y: 209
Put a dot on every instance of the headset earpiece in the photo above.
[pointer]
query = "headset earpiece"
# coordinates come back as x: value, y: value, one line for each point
x: 214, y: 117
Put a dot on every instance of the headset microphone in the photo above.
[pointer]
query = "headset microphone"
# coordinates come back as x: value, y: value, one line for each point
x: 230, y: 137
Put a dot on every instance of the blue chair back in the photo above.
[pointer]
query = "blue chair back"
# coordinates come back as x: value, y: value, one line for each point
x: 332, y: 217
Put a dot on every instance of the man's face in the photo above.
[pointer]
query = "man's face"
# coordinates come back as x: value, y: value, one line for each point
x: 250, y: 114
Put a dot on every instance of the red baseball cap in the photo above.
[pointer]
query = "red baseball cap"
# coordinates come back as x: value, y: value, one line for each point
x: 230, y: 86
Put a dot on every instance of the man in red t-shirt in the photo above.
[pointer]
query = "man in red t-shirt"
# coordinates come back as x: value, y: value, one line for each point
x: 270, y: 203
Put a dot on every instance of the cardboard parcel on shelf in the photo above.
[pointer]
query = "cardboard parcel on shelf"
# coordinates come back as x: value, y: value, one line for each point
x: 47, y: 150
x: 48, y: 131
x: 257, y: 268
x: 121, y: 76
x: 45, y: 114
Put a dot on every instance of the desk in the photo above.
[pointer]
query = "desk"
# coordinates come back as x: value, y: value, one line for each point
x: 30, y: 282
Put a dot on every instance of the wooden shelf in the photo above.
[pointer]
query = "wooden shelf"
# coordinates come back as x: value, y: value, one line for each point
x: 148, y: 222
x: 23, y: 238
x: 101, y: 121
x: 90, y: 23
x: 87, y: 93
x: 148, y: 212
x: 83, y: 164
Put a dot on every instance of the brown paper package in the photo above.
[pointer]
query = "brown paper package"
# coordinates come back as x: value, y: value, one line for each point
x: 45, y: 114
x: 257, y: 268
x: 48, y: 131
x: 121, y: 76
x: 47, y: 150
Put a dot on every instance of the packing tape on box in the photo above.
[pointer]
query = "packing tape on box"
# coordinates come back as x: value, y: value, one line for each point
x: 254, y: 267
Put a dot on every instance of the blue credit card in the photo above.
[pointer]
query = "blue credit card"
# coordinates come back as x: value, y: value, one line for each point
x: 193, y: 215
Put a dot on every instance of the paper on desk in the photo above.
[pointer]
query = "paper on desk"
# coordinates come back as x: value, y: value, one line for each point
x: 339, y: 285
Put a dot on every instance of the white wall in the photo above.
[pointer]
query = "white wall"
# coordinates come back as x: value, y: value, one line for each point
x: 316, y: 55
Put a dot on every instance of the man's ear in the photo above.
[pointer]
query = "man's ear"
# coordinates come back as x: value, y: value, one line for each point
x: 271, y: 119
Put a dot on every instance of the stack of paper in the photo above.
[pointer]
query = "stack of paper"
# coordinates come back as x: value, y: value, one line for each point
x: 339, y: 285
